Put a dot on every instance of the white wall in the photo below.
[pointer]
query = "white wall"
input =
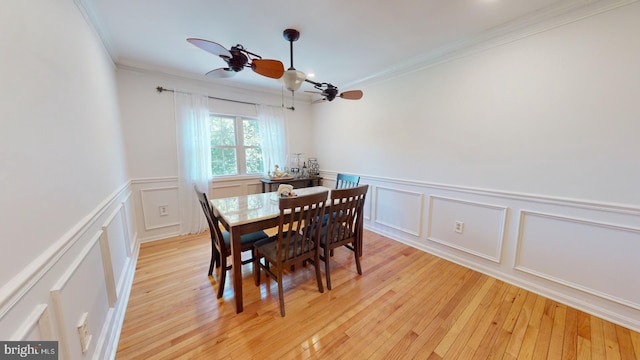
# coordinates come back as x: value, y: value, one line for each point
x: 66, y: 229
x: 555, y: 114
x: 149, y: 128
x: 533, y: 144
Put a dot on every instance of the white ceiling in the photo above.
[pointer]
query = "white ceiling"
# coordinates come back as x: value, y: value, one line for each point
x: 344, y: 42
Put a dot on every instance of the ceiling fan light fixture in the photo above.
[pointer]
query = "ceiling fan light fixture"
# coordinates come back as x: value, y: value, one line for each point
x: 293, y: 79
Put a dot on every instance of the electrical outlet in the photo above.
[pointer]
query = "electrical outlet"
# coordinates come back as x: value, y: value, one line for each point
x: 459, y: 227
x: 83, y: 332
x: 164, y: 210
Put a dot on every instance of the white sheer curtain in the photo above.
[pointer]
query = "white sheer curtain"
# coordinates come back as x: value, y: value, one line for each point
x: 194, y: 157
x: 273, y: 133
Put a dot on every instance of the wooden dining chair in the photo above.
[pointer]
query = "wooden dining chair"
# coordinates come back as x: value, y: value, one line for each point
x: 298, y: 224
x: 221, y: 242
x: 344, y: 181
x: 344, y: 227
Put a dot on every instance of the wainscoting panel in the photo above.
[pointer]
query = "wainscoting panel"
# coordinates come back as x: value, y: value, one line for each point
x: 49, y: 297
x: 37, y: 326
x: 116, y: 234
x: 129, y: 226
x: 482, y: 226
x: 588, y: 255
x: 153, y: 199
x: 107, y: 264
x: 399, y: 209
x: 367, y: 204
x: 226, y: 189
x: 76, y: 293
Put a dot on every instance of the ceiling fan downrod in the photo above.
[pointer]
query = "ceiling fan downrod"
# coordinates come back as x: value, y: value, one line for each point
x: 291, y: 35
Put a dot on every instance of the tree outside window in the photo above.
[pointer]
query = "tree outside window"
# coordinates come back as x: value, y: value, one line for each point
x: 235, y: 146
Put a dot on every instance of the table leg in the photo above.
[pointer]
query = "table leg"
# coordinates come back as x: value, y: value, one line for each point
x: 236, y: 267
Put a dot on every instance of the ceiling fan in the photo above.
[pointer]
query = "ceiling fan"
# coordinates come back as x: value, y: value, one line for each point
x: 293, y: 78
x: 237, y: 58
x: 330, y: 92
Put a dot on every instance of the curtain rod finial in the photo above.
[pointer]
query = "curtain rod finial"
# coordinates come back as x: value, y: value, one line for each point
x: 160, y: 89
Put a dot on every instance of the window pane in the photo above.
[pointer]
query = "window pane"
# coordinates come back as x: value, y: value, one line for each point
x: 251, y: 133
x: 253, y: 158
x: 222, y: 131
x: 223, y: 161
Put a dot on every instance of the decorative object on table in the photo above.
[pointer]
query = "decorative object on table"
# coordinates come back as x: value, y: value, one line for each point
x: 314, y: 167
x: 295, y: 162
x: 285, y: 190
x: 278, y: 175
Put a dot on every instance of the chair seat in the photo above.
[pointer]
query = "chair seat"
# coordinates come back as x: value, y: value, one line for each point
x: 269, y: 247
x: 340, y: 234
x: 246, y: 240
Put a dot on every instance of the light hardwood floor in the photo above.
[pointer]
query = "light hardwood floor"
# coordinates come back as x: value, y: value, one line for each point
x: 407, y: 304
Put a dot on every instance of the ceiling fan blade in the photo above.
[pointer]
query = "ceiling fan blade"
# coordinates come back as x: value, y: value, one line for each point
x: 269, y: 68
x: 221, y: 73
x: 210, y: 46
x: 313, y: 92
x: 352, y: 95
x: 319, y: 101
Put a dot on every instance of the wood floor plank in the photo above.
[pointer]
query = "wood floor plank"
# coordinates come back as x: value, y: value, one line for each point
x: 544, y: 333
x: 611, y: 341
x: 407, y: 304
x: 530, y: 336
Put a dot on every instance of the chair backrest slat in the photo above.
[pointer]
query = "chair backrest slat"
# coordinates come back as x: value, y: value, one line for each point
x: 344, y: 181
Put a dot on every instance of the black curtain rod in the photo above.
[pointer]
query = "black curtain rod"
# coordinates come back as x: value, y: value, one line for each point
x: 161, y: 89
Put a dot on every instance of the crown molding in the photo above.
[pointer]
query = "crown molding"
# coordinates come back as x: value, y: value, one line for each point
x: 543, y: 20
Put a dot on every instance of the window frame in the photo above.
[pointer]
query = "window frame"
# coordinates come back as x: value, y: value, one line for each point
x: 240, y: 147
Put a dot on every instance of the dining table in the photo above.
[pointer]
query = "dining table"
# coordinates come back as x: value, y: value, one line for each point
x: 245, y: 214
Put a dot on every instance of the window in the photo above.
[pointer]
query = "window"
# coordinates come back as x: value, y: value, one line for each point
x: 235, y: 146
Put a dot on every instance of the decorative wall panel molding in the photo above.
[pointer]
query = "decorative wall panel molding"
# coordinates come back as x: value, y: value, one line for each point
x: 37, y: 326
x: 107, y: 264
x: 481, y: 226
x: 152, y: 199
x: 226, y: 190
x: 127, y: 224
x: 430, y: 187
x: 19, y: 286
x: 115, y: 234
x: 368, y: 204
x: 399, y: 209
x: 591, y: 256
x: 77, y: 292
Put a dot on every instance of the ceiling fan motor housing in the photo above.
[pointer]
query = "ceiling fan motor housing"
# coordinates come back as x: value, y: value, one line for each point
x: 330, y: 92
x: 238, y: 60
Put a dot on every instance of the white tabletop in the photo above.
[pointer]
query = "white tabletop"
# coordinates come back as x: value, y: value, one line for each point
x: 244, y: 209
